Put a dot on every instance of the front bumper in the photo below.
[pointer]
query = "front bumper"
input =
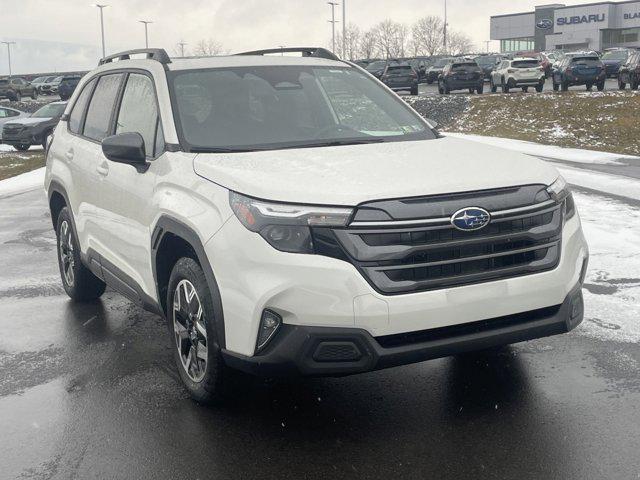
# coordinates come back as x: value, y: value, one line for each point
x: 325, y: 351
x: 24, y: 138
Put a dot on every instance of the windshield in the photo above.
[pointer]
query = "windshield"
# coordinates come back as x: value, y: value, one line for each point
x: 51, y: 110
x: 488, y: 60
x: 525, y: 64
x: 620, y: 55
x: 261, y: 108
x: 442, y: 62
x: 372, y: 67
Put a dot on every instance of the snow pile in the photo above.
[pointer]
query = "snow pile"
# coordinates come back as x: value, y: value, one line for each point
x: 612, y: 285
x: 547, y: 151
x: 602, y: 182
x: 22, y: 183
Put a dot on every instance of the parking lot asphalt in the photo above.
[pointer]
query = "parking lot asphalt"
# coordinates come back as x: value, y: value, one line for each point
x: 91, y: 392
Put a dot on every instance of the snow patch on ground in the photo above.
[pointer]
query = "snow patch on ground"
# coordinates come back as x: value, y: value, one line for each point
x: 602, y: 182
x: 547, y: 151
x: 22, y: 183
x: 612, y: 285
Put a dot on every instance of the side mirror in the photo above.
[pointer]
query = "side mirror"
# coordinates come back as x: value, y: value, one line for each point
x: 432, y: 123
x: 125, y: 148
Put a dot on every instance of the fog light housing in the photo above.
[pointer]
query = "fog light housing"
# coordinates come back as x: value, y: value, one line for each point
x: 269, y: 325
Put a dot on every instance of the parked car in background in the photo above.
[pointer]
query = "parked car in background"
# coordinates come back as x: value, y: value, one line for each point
x: 585, y: 70
x: 15, y: 88
x: 435, y: 70
x: 38, y: 82
x: 629, y: 73
x: 67, y: 86
x: 461, y: 75
x: 488, y: 64
x: 400, y: 77
x: 8, y: 114
x: 613, y: 59
x: 419, y: 65
x: 377, y: 68
x: 518, y: 73
x: 50, y: 86
x: 34, y: 129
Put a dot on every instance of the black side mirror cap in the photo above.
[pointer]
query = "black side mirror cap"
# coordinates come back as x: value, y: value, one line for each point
x: 125, y: 148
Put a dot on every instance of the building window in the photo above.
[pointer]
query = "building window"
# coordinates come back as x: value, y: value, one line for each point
x: 613, y: 38
x: 517, y: 45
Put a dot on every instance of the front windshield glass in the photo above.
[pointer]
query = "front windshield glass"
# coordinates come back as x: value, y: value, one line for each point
x: 261, y: 108
x: 372, y: 67
x: 620, y: 55
x: 49, y: 111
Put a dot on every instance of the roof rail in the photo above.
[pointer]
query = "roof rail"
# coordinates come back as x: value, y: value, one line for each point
x: 158, y: 54
x: 317, y: 52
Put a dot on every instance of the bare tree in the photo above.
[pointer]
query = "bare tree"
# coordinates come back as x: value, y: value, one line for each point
x: 208, y: 48
x: 391, y: 38
x: 426, y: 35
x: 368, y: 45
x: 351, y: 42
x: 459, y: 43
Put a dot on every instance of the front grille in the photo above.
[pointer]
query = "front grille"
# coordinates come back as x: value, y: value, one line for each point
x: 417, y: 255
x: 12, y: 130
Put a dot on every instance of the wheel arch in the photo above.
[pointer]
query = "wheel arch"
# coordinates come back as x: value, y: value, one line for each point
x: 58, y: 199
x: 170, y: 241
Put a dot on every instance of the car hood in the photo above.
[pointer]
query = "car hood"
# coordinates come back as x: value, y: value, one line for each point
x: 349, y: 175
x: 30, y: 121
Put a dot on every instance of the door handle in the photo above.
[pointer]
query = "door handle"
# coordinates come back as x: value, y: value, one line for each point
x: 103, y: 169
x: 69, y: 154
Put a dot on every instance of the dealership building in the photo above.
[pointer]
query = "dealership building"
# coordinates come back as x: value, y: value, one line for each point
x: 589, y: 26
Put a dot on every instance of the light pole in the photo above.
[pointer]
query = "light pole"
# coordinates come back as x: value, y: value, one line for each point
x: 344, y: 29
x: 101, y: 7
x: 8, y: 44
x: 444, y: 30
x: 333, y: 25
x: 146, y: 31
x: 182, y: 44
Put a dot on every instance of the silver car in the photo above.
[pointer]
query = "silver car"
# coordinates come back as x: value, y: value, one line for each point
x: 7, y: 114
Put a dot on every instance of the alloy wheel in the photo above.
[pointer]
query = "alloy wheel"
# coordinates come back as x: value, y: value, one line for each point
x: 66, y: 253
x: 189, y: 326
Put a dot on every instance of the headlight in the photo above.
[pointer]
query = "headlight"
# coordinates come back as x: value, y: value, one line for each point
x: 286, y: 226
x: 559, y: 191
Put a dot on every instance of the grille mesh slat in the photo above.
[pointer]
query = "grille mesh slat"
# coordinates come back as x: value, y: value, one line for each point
x: 402, y: 260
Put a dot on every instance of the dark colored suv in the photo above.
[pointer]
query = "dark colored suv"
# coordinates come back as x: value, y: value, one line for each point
x: 461, y: 75
x: 400, y: 77
x: 67, y: 86
x: 579, y: 70
x: 614, y: 59
x: 488, y: 64
x: 15, y: 88
x: 34, y: 130
x: 629, y: 73
x: 434, y: 71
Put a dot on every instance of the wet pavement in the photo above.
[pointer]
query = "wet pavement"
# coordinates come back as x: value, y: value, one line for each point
x: 91, y: 391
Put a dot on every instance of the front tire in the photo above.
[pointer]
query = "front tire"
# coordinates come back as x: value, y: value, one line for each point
x: 414, y: 90
x: 494, y: 89
x: 22, y: 147
x: 191, y: 320
x: 621, y: 84
x: 540, y: 87
x: 78, y: 281
x: 505, y: 86
x: 600, y: 86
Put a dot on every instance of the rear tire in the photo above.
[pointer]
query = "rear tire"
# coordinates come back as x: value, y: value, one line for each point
x: 472, y: 90
x: 191, y: 321
x: 565, y: 86
x: 480, y: 89
x: 600, y: 86
x: 414, y: 90
x: 540, y: 87
x: 525, y: 89
x: 589, y: 87
x: 494, y: 88
x: 34, y: 94
x: 556, y: 87
x: 21, y: 147
x: 505, y: 87
x: 78, y: 281
x: 621, y: 84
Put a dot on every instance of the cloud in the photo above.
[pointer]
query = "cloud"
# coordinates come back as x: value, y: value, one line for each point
x: 238, y: 24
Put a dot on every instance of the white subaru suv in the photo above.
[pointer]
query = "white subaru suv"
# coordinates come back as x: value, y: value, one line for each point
x: 518, y: 73
x: 293, y: 216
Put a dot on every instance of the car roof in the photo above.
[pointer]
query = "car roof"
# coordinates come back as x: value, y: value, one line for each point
x: 248, y: 61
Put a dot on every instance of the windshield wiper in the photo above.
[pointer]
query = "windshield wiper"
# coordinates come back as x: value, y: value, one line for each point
x: 327, y: 143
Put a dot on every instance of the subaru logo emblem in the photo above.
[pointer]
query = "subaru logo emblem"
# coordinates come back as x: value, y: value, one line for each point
x: 470, y: 218
x: 545, y: 24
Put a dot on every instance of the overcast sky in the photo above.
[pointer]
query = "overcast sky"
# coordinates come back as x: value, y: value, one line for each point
x: 65, y: 34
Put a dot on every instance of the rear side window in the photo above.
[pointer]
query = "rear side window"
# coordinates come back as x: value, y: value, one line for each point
x: 98, y: 121
x: 139, y: 111
x: 75, y: 118
x: 525, y: 64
